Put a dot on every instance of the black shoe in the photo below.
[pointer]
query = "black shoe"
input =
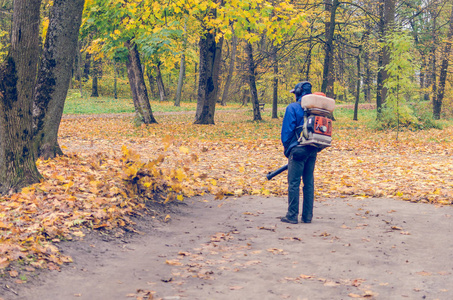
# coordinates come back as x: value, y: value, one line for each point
x: 307, y: 221
x: 286, y: 220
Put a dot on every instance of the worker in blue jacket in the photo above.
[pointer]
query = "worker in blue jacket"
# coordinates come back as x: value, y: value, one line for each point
x: 301, y: 159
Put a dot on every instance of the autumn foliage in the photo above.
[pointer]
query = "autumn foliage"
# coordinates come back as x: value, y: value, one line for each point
x: 113, y: 170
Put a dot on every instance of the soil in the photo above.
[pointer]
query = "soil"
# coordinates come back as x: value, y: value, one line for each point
x: 239, y: 249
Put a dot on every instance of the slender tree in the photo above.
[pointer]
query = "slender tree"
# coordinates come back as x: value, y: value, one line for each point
x: 137, y: 84
x: 437, y: 102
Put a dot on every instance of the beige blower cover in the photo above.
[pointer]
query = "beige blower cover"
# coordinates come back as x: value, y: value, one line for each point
x: 318, y: 101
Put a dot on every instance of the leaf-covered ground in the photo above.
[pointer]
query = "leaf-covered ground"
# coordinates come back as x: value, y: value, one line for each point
x: 113, y: 169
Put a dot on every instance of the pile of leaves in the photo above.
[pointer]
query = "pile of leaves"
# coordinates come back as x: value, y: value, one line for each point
x: 95, y: 191
x: 112, y: 170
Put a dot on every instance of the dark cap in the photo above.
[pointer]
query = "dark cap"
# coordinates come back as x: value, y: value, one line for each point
x: 301, y: 89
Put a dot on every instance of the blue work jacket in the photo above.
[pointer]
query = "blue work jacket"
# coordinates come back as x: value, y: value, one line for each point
x: 292, y: 126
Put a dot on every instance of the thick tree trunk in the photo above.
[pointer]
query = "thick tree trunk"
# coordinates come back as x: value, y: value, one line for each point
x: 252, y: 82
x: 437, y: 104
x: 17, y: 82
x: 138, y: 87
x: 54, y: 75
x: 160, y: 83
x: 226, y: 89
x: 275, y: 83
x: 328, y: 74
x: 210, y: 54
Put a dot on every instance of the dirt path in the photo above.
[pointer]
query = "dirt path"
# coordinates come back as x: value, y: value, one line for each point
x: 238, y: 249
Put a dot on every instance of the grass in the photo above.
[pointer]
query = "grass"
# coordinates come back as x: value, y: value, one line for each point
x: 108, y: 105
x: 75, y: 104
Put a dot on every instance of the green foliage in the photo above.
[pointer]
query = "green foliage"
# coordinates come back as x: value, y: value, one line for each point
x: 400, y: 83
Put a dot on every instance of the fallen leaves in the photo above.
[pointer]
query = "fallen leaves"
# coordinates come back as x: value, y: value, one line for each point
x: 99, y: 185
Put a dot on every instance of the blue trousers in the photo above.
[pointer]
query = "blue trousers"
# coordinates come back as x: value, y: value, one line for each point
x: 301, y: 165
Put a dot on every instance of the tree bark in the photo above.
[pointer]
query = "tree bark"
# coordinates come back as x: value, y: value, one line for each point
x: 210, y: 54
x: 137, y: 84
x: 160, y: 83
x: 17, y: 82
x: 381, y: 66
x: 386, y: 26
x: 151, y: 82
x: 226, y: 89
x: 54, y: 75
x: 94, y: 86
x: 275, y: 83
x: 252, y: 82
x: 328, y: 74
x: 357, y: 96
x: 437, y: 103
x: 115, y: 80
x: 86, y: 69
x: 79, y: 68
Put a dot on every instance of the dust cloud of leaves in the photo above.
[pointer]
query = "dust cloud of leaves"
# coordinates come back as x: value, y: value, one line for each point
x: 113, y: 168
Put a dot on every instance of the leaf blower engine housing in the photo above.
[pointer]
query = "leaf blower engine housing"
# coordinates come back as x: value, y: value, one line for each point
x: 317, y: 128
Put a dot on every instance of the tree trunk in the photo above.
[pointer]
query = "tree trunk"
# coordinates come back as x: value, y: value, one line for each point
x: 252, y: 82
x: 160, y: 83
x: 151, y: 82
x: 86, y: 69
x: 138, y: 87
x: 275, y: 83
x: 94, y: 86
x: 133, y: 85
x: 381, y: 66
x: 357, y: 96
x: 79, y: 69
x: 115, y: 80
x: 17, y: 82
x: 433, y: 56
x: 328, y: 74
x: 54, y: 75
x: 182, y: 69
x: 226, y: 89
x: 437, y: 104
x: 210, y: 54
x: 309, y: 54
x: 195, y: 67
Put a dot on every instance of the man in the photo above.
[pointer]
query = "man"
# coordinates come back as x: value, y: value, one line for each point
x: 301, y: 159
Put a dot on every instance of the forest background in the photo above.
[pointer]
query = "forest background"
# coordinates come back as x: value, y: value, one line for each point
x: 392, y: 57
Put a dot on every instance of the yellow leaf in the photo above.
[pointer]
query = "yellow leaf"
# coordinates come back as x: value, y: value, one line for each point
x: 184, y: 150
x: 173, y: 262
x: 167, y: 218
x: 180, y: 197
x: 78, y: 233
x: 213, y: 182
